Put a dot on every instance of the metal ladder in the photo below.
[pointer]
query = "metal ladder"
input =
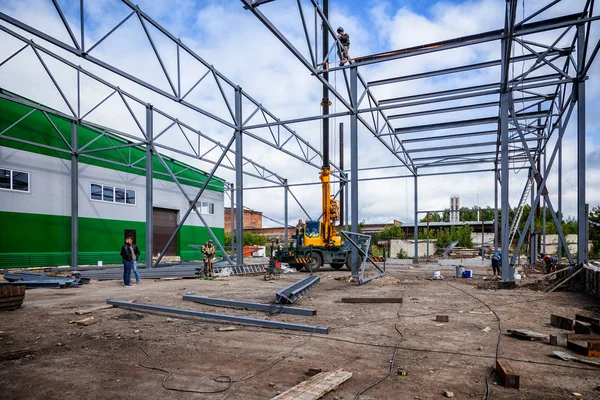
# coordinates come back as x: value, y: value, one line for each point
x: 514, y: 227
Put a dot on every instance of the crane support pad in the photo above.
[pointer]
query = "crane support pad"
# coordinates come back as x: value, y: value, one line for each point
x: 296, y: 290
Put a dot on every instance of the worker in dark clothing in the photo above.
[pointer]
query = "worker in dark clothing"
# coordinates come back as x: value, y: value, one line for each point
x: 128, y: 255
x: 345, y: 41
x: 497, y: 263
x: 300, y: 233
x: 549, y: 262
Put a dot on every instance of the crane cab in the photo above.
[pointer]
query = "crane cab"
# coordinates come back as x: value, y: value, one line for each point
x: 313, y: 235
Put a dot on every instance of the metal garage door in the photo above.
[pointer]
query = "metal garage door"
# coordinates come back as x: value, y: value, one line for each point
x: 164, y: 223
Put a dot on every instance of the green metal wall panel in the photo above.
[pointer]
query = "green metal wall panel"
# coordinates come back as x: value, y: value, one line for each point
x: 38, y: 240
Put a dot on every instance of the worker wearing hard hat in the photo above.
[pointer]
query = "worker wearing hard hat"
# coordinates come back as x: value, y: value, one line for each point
x: 345, y: 41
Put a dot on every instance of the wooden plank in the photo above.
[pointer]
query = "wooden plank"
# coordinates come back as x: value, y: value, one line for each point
x: 573, y: 336
x: 593, y: 348
x: 527, y: 334
x: 371, y: 299
x: 92, y: 309
x: 12, y: 290
x: 577, y: 346
x: 583, y: 318
x: 508, y: 377
x: 11, y: 299
x: 561, y: 322
x: 442, y: 318
x: 583, y: 328
x: 316, y: 387
x: 86, y: 321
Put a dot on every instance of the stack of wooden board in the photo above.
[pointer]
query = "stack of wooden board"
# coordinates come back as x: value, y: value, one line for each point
x: 11, y: 297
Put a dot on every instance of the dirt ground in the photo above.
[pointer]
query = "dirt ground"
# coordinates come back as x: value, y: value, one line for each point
x: 101, y: 361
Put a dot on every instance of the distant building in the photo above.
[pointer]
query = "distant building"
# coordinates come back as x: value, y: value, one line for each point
x: 369, y: 229
x: 252, y: 219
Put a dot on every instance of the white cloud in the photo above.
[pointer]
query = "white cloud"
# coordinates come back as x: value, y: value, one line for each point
x: 239, y: 46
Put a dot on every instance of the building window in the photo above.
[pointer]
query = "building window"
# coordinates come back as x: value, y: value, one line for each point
x: 111, y: 194
x: 207, y: 208
x: 14, y: 180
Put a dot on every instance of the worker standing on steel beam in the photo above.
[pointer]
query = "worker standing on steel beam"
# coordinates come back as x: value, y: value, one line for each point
x: 345, y: 41
x: 209, y: 253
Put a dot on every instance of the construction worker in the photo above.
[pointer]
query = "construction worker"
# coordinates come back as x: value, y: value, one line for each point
x: 549, y: 262
x: 345, y: 41
x: 497, y: 263
x: 300, y: 233
x: 209, y: 253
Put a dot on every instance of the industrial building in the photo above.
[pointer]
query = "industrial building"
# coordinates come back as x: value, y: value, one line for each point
x: 35, y: 196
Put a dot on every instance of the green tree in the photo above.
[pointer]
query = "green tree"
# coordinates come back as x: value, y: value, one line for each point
x: 391, y: 232
x: 433, y: 217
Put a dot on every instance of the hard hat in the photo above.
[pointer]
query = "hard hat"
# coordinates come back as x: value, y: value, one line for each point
x: 210, y: 241
x: 340, y: 29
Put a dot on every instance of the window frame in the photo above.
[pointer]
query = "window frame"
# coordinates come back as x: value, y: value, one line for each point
x: 11, y: 180
x: 207, y: 210
x: 114, y: 196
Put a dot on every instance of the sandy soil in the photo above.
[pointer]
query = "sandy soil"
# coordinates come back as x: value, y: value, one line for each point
x: 101, y: 361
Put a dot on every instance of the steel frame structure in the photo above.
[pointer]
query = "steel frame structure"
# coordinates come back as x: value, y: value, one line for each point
x: 533, y: 108
x: 528, y: 113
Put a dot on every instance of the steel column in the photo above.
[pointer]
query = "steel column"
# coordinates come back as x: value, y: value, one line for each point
x: 354, y: 164
x: 416, y: 226
x: 74, y: 198
x: 496, y: 207
x: 561, y: 132
x: 581, y: 215
x: 285, y: 213
x: 239, y: 178
x: 232, y: 218
x: 149, y: 186
x: 508, y: 273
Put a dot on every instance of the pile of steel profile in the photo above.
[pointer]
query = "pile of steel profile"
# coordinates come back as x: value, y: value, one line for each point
x: 269, y: 308
x: 220, y: 317
x: 236, y: 269
x: 290, y: 294
x: 181, y: 271
x: 34, y: 280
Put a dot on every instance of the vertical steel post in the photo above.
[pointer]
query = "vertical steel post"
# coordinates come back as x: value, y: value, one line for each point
x: 354, y: 164
x: 545, y: 208
x: 581, y: 215
x: 232, y: 218
x: 347, y: 200
x: 560, y: 213
x: 74, y: 198
x: 342, y: 183
x: 495, y: 207
x: 149, y: 186
x: 507, y: 269
x: 482, y: 233
x: 239, y: 178
x: 285, y: 213
x: 416, y: 227
x: 532, y: 247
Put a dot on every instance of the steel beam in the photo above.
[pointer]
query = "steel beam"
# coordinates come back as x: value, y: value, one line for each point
x: 269, y: 308
x: 293, y: 292
x: 239, y: 177
x: 149, y: 186
x: 354, y: 165
x: 285, y: 214
x: 582, y: 249
x: 219, y: 317
x: 74, y: 197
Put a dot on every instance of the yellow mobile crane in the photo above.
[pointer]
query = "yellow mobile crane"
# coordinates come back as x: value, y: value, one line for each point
x: 322, y: 243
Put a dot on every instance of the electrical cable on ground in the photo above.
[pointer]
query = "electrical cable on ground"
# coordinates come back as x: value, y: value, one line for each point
x: 392, y: 362
x: 487, y: 378
x: 227, y: 379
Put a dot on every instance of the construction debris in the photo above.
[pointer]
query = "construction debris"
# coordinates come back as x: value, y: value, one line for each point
x: 561, y: 322
x: 442, y: 318
x: 41, y: 280
x: 568, y: 357
x: 269, y: 308
x: 371, y: 299
x: 316, y: 387
x: 227, y: 329
x: 507, y: 376
x: 527, y: 334
x: 85, y: 322
x: 91, y: 310
x: 221, y: 317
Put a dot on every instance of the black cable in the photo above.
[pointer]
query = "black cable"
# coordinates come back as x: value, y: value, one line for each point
x: 164, y: 381
x: 487, y: 378
x: 382, y: 379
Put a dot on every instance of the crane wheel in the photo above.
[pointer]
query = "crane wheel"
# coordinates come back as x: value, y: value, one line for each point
x: 315, y: 263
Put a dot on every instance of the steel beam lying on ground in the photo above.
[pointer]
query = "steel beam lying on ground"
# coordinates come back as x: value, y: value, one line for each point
x: 221, y: 317
x: 271, y: 308
x: 33, y: 284
x: 290, y: 294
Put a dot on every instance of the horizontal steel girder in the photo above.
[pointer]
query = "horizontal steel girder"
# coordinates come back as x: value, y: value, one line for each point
x: 270, y: 308
x: 463, y: 146
x: 220, y: 317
